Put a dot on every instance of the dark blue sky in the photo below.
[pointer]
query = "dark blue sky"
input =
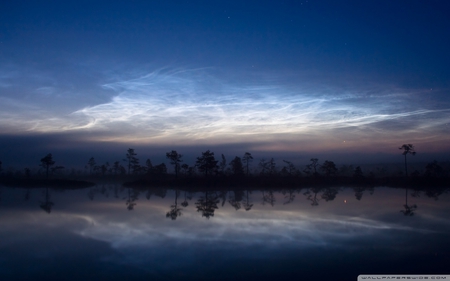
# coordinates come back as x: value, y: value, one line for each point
x: 289, y: 76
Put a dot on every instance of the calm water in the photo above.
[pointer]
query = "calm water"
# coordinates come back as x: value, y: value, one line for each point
x: 310, y: 234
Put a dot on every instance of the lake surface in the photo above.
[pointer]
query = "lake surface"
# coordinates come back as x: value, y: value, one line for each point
x: 115, y: 233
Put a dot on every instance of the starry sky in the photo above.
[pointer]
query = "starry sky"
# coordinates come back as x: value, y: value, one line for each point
x: 299, y: 78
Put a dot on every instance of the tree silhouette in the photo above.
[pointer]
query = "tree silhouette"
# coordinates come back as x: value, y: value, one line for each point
x: 206, y: 163
x: 433, y: 170
x: 27, y: 172
x: 184, y: 169
x: 263, y: 164
x: 160, y: 169
x: 247, y: 159
x: 133, y: 161
x: 346, y: 170
x: 117, y: 168
x: 358, y: 173
x: 407, y: 149
x: 175, y: 160
x: 104, y: 168
x: 236, y: 166
x: 47, y: 162
x: 223, y: 165
x: 329, y: 168
x: 56, y: 169
x: 268, y: 167
x: 290, y: 169
x: 91, y: 164
x: 148, y: 166
x: 312, y: 167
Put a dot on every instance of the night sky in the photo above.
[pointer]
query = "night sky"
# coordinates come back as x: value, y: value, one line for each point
x: 281, y: 78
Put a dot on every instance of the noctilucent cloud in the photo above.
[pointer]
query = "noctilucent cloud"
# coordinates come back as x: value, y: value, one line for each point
x: 291, y: 76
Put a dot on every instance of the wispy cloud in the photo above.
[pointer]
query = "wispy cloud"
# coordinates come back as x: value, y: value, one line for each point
x: 193, y: 106
x: 189, y: 106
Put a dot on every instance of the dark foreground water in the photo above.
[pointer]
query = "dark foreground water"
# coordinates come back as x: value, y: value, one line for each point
x: 112, y: 233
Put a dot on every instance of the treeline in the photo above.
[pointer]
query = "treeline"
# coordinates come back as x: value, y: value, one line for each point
x: 237, y: 170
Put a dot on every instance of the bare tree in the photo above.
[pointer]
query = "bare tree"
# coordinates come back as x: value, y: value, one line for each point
x: 47, y: 162
x: 407, y: 149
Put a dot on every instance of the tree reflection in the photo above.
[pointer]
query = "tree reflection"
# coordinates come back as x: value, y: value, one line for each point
x: 313, y: 198
x: 174, y: 210
x: 434, y: 192
x: 104, y: 191
x: 207, y: 204
x: 268, y: 198
x: 116, y: 191
x: 133, y: 195
x: 160, y: 192
x: 47, y: 204
x: 409, y: 210
x: 329, y: 194
x: 236, y: 198
x: 223, y: 196
x: 247, y: 204
x: 185, y: 202
x: 27, y: 195
x: 288, y: 195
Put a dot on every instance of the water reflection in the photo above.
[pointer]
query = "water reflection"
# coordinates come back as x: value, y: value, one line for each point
x: 268, y: 197
x: 289, y: 195
x: 311, y: 195
x: 247, y: 203
x: 174, y: 210
x: 235, y: 198
x: 208, y: 201
x: 207, y: 204
x: 409, y: 209
x: 330, y: 193
x: 47, y: 204
x: 131, y: 199
x: 287, y: 239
